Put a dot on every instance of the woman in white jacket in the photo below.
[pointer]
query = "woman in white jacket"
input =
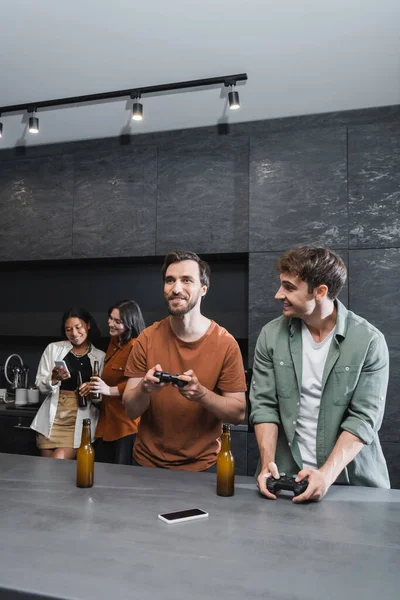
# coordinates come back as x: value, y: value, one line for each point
x: 59, y: 420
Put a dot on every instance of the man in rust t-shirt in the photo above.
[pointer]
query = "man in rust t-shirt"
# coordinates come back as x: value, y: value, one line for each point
x: 180, y: 427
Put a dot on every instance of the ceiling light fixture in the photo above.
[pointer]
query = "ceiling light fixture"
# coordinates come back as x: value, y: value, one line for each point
x: 137, y: 108
x: 33, y: 124
x: 233, y: 99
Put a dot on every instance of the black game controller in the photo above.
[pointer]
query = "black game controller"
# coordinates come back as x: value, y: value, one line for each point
x: 168, y: 378
x: 286, y: 483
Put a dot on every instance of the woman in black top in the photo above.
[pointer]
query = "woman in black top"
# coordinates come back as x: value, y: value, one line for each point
x: 59, y: 420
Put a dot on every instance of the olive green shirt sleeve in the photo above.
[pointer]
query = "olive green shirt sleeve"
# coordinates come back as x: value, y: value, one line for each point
x: 366, y: 408
x: 264, y: 403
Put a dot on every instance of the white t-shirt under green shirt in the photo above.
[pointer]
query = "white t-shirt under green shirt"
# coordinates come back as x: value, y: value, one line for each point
x: 314, y: 358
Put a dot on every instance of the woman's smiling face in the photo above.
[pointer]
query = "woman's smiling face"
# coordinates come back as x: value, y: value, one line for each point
x: 76, y: 331
x: 115, y: 323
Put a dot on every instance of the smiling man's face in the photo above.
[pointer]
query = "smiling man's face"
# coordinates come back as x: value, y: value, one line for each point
x: 297, y: 300
x: 182, y: 287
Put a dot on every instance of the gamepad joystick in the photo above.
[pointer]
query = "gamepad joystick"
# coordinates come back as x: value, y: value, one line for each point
x: 165, y: 377
x: 286, y: 483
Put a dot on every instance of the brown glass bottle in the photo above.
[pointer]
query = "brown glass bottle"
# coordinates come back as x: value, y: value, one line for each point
x: 82, y: 402
x: 225, y: 465
x: 85, y: 458
x: 96, y: 373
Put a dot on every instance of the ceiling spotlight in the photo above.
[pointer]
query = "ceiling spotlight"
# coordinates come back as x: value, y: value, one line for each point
x: 233, y: 99
x: 137, y: 109
x: 33, y: 124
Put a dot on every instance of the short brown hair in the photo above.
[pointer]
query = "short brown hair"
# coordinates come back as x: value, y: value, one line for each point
x: 315, y: 266
x: 179, y: 256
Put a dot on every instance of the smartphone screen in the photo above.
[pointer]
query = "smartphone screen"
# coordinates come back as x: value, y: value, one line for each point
x: 62, y: 364
x: 183, y: 515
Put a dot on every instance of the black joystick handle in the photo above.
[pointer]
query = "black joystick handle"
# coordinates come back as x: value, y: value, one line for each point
x: 286, y: 483
x: 165, y: 377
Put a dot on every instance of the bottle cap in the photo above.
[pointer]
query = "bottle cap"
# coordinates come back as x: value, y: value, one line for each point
x: 226, y: 428
x: 86, y: 421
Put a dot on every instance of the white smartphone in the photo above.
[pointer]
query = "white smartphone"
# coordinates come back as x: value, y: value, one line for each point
x: 183, y: 515
x: 61, y: 364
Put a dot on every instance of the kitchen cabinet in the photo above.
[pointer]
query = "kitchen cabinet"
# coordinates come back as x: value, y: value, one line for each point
x: 115, y: 209
x: 203, y: 195
x: 374, y: 179
x: 298, y: 190
x: 36, y: 199
x: 16, y: 436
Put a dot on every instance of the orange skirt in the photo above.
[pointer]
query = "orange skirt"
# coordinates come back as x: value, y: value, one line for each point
x: 63, y: 430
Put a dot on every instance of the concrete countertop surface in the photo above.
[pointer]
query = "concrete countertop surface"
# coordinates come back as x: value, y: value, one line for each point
x: 58, y: 541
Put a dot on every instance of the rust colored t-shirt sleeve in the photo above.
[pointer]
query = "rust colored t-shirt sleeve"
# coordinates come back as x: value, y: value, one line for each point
x: 232, y: 377
x: 136, y: 365
x: 122, y: 385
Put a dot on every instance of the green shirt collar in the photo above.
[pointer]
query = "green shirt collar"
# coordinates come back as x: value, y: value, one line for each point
x: 341, y: 321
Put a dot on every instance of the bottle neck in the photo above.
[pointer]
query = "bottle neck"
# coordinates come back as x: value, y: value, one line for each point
x: 86, y: 437
x: 225, y: 442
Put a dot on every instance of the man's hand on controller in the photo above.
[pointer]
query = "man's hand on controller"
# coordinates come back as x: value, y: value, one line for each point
x: 151, y: 384
x: 318, y: 485
x: 193, y: 390
x: 272, y: 469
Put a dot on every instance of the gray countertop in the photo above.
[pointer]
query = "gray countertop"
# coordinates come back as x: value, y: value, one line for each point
x: 58, y: 541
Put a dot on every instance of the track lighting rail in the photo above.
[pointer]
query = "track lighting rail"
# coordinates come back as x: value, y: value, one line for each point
x: 227, y: 80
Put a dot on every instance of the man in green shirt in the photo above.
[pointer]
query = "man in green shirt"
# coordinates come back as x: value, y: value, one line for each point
x: 319, y: 382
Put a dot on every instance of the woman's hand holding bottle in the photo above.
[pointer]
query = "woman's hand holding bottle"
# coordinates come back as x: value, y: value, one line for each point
x: 95, y: 385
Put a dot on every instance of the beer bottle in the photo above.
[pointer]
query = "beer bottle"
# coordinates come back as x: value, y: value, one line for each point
x: 96, y: 373
x: 225, y: 465
x: 82, y: 402
x: 85, y: 458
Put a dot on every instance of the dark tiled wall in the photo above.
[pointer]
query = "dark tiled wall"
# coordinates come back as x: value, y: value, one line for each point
x: 115, y: 203
x: 203, y: 195
x: 374, y: 186
x: 36, y: 197
x: 298, y: 191
x: 328, y: 179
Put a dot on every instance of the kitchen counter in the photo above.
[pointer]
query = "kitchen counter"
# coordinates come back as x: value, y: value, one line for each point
x: 31, y: 409
x: 11, y: 410
x: 58, y: 541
